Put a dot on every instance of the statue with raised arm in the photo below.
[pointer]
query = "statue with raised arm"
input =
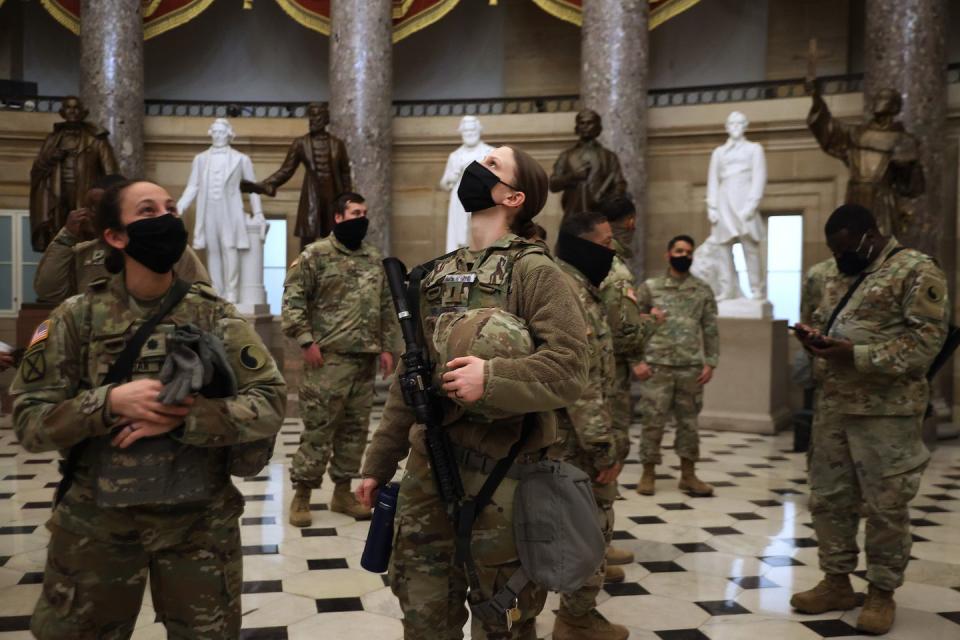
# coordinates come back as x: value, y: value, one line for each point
x: 72, y: 159
x: 735, y: 182
x: 882, y: 157
x: 324, y: 156
x: 472, y: 149
x: 221, y: 224
x: 587, y: 172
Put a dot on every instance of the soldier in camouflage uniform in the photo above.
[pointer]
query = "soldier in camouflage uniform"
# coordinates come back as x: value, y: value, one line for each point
x: 151, y: 488
x: 587, y: 436
x: 867, y: 455
x: 485, y: 403
x: 677, y: 361
x: 337, y: 306
x: 75, y: 258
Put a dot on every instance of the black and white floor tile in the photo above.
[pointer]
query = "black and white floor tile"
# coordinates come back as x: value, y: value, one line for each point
x: 718, y: 568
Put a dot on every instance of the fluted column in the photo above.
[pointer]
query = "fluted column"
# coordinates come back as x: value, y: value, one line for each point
x: 906, y: 51
x: 614, y: 46
x: 361, y: 89
x: 111, y: 75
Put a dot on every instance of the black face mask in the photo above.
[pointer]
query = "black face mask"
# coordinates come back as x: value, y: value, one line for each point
x: 851, y: 262
x: 475, y: 187
x: 589, y: 258
x: 157, y: 243
x: 681, y: 263
x: 352, y: 232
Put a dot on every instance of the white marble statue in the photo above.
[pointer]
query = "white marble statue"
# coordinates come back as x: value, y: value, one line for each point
x: 735, y: 183
x: 221, y: 224
x: 473, y: 148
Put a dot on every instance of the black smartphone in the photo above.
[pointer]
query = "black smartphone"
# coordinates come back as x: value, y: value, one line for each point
x: 819, y: 342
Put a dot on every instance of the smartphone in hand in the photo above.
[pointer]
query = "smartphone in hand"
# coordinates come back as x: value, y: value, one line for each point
x: 804, y: 335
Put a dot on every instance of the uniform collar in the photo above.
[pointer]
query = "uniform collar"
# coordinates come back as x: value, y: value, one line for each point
x: 679, y: 283
x: 892, y: 244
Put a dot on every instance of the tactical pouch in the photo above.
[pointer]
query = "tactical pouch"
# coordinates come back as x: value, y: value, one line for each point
x: 555, y: 523
x: 151, y: 471
x: 249, y: 458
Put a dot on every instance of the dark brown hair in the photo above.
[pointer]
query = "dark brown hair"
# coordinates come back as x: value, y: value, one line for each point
x: 531, y: 179
x: 107, y: 216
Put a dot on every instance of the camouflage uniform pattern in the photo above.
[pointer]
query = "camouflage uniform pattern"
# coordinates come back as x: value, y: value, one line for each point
x: 630, y: 330
x: 587, y: 437
x: 98, y: 557
x: 519, y: 278
x: 867, y: 455
x: 676, y: 352
x: 814, y: 283
x: 339, y: 299
x: 69, y: 265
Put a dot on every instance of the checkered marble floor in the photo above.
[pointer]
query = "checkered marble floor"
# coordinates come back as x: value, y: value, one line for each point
x: 718, y: 568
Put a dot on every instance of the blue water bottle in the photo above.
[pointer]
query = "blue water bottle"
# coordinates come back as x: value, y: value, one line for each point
x: 376, y: 552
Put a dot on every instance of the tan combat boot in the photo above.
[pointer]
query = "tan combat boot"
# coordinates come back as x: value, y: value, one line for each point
x: 300, y: 507
x: 614, y: 575
x: 833, y: 593
x: 878, y: 613
x: 345, y: 502
x: 690, y: 483
x: 618, y: 556
x: 647, y: 480
x: 592, y: 626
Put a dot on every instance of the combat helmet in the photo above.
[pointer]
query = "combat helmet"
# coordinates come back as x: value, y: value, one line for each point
x: 485, y: 333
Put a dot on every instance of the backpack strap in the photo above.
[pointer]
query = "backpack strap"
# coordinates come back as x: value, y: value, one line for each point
x: 853, y: 288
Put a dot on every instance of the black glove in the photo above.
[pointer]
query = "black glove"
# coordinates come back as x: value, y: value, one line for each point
x: 218, y: 380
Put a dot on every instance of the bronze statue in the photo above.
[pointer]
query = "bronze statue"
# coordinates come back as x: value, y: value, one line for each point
x: 882, y: 157
x: 587, y: 172
x: 72, y: 159
x: 327, y: 175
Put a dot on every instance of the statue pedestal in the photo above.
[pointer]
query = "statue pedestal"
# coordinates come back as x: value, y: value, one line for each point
x: 745, y: 308
x: 253, y: 297
x: 749, y: 389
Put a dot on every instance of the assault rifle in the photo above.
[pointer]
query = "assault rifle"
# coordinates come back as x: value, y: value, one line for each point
x: 415, y: 383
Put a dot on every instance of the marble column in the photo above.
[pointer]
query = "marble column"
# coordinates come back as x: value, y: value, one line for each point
x: 905, y: 50
x: 614, y: 48
x: 361, y: 89
x: 111, y: 75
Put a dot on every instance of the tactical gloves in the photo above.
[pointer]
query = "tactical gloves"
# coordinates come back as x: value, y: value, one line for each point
x: 197, y: 361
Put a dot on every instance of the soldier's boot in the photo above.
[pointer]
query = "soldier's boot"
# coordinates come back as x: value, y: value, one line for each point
x: 647, y: 480
x: 689, y: 481
x: 614, y: 575
x: 878, y: 613
x: 618, y: 556
x: 833, y: 593
x: 591, y: 626
x: 345, y: 502
x: 300, y: 507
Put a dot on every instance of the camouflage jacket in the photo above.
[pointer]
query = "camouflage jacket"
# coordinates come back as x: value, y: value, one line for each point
x: 629, y: 328
x: 68, y: 266
x: 814, y: 282
x: 60, y: 400
x: 339, y: 299
x: 519, y: 277
x: 587, y: 424
x: 689, y: 336
x: 897, y: 321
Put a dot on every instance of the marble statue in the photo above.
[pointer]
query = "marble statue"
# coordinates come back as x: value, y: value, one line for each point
x: 735, y: 183
x: 221, y: 224
x: 324, y: 156
x: 72, y: 159
x: 882, y: 157
x: 587, y: 172
x: 472, y: 149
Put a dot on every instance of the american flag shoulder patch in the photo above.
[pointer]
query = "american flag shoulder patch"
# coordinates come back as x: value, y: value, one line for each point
x: 41, y: 333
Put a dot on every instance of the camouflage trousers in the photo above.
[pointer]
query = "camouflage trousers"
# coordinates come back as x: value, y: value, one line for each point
x: 672, y: 392
x: 870, y: 465
x: 92, y: 589
x: 583, y: 600
x: 431, y: 589
x: 335, y: 402
x: 621, y: 408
